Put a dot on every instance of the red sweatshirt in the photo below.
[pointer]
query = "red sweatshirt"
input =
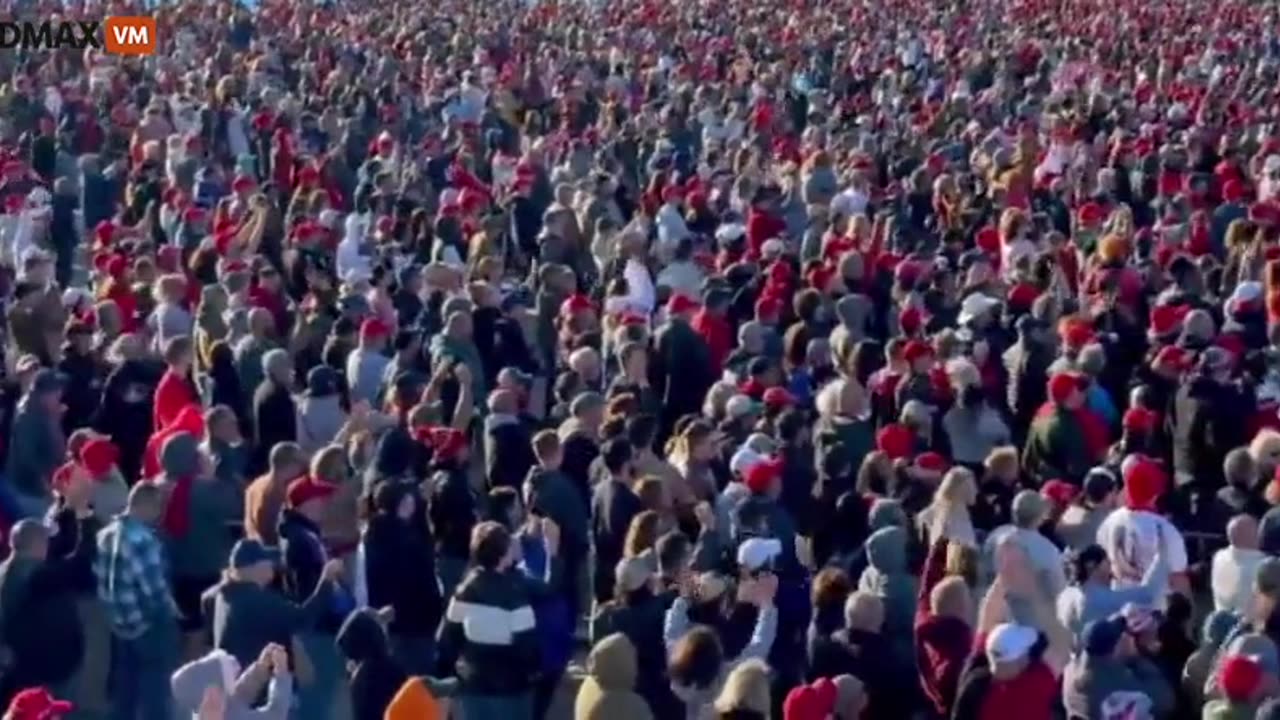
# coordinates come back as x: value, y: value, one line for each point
x: 172, y: 395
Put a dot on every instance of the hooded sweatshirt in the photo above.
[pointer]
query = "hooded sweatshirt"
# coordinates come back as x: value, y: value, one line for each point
x: 887, y: 576
x: 375, y: 677
x: 607, y: 692
x: 220, y: 669
x: 189, y: 420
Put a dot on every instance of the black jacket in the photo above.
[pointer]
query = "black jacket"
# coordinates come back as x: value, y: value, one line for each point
x: 244, y: 617
x: 275, y: 420
x: 125, y: 410
x: 489, y: 637
x: 682, y: 370
x: 1027, y: 367
x: 612, y: 508
x: 640, y: 618
x: 580, y: 451
x: 83, y: 389
x: 400, y: 571
x: 451, y: 506
x: 40, y: 622
x: 1208, y: 420
x: 375, y: 676
x: 508, y: 451
x: 304, y: 559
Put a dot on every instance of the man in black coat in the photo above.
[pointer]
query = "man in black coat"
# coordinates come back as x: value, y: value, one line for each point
x: 551, y: 494
x: 275, y: 416
x: 613, y: 506
x: 39, y: 620
x: 508, y: 454
x: 1027, y: 367
x: 682, y: 364
x: 84, y: 377
x: 580, y: 435
x: 400, y: 573
x: 1206, y: 423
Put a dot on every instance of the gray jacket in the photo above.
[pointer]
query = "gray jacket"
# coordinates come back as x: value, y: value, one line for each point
x: 190, y: 682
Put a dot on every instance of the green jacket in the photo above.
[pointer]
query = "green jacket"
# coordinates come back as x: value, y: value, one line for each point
x: 1056, y: 447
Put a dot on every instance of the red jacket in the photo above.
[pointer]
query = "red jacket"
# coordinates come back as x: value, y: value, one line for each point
x: 942, y: 643
x: 761, y: 226
x: 719, y: 336
x: 189, y: 419
x: 172, y: 395
x: 122, y: 295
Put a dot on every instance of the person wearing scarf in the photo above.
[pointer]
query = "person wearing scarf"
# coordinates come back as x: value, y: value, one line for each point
x: 189, y: 419
x: 194, y: 526
x: 175, y: 390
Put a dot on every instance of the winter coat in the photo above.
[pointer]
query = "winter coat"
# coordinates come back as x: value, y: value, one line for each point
x: 639, y: 618
x: 612, y: 508
x: 508, y: 452
x: 608, y: 692
x: 275, y: 418
x: 375, y: 676
x: 39, y: 622
x: 400, y: 571
x: 887, y: 576
x: 36, y: 449
x: 1205, y: 424
x: 304, y: 559
x: 489, y: 636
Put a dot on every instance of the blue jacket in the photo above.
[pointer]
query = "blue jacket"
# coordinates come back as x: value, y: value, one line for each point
x: 551, y: 610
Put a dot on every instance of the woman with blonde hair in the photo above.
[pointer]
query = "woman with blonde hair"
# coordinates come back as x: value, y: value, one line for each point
x: 1265, y: 451
x: 745, y: 694
x: 642, y: 535
x: 947, y: 516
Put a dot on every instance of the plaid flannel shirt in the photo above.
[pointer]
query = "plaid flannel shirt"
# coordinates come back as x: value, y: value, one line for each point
x: 132, y: 576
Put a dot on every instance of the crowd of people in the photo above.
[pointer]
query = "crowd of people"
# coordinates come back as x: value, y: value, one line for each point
x: 713, y: 360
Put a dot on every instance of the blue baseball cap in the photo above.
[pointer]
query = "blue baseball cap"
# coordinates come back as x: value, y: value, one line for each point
x: 247, y: 553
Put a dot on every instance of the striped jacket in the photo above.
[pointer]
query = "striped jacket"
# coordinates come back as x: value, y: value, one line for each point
x: 489, y: 635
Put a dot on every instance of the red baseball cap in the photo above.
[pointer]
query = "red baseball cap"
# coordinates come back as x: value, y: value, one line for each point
x: 37, y: 704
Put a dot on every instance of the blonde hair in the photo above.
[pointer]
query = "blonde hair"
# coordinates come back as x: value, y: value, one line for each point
x: 1001, y: 458
x: 864, y: 611
x: 746, y: 688
x: 169, y: 287
x: 1265, y: 447
x: 958, y: 487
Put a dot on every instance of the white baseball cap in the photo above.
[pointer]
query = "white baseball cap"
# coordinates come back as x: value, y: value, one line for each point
x: 755, y: 553
x: 1010, y: 642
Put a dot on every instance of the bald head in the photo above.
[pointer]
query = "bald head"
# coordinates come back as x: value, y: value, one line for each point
x: 950, y: 598
x: 1242, y: 532
x: 29, y: 538
x: 851, y: 697
x: 146, y: 502
x: 503, y: 402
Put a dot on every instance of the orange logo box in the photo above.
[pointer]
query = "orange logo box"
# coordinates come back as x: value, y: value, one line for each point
x: 130, y: 35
